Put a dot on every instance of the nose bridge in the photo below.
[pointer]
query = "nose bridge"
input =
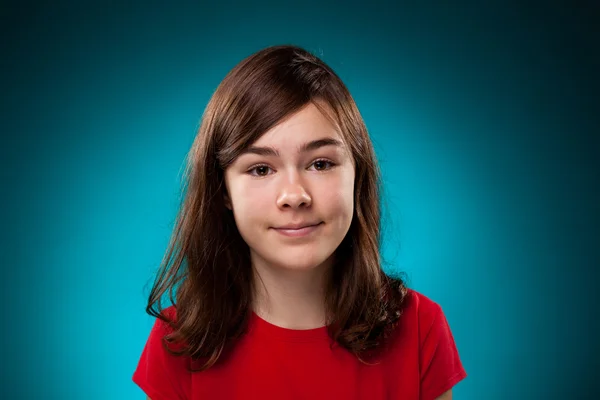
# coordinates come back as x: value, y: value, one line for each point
x: 293, y: 191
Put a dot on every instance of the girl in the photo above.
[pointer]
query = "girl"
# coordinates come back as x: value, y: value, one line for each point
x: 275, y: 257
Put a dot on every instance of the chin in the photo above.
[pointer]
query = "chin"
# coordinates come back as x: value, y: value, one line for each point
x: 301, y: 266
x: 293, y: 259
x: 297, y: 261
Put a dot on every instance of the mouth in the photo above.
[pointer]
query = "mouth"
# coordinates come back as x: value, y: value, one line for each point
x: 298, y: 231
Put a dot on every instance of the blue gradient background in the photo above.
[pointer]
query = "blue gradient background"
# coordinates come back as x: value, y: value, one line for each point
x: 484, y: 117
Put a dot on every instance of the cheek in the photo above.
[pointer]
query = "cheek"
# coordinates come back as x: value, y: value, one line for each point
x: 337, y: 197
x: 248, y: 202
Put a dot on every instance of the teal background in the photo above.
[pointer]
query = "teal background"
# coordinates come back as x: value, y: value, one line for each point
x: 484, y: 117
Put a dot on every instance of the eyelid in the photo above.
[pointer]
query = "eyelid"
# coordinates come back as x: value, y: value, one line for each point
x: 254, y: 166
x: 332, y: 163
x: 257, y: 165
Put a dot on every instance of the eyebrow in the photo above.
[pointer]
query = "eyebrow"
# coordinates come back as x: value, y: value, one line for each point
x: 310, y: 146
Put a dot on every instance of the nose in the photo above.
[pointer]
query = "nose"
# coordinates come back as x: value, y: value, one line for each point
x: 293, y: 195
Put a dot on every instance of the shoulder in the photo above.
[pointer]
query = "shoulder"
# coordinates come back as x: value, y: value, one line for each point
x: 421, y: 306
x: 162, y: 325
x: 160, y: 373
x: 161, y: 341
x: 419, y: 318
x: 424, y: 339
x: 170, y: 312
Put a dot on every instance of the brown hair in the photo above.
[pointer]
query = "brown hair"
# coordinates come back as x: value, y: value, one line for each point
x: 208, y: 263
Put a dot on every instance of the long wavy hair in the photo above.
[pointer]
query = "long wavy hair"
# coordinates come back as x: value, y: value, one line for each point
x: 207, y: 263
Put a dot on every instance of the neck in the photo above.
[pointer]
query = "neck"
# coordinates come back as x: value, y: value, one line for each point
x: 292, y: 299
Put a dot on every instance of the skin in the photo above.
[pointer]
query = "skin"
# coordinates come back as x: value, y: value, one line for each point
x: 287, y: 188
x: 267, y: 191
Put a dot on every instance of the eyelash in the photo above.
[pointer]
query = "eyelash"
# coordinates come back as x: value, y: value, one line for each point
x: 254, y: 167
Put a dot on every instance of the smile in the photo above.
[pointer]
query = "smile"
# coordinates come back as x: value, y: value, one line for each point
x: 300, y: 232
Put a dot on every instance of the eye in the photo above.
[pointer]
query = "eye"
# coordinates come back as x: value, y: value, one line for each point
x: 323, y: 165
x: 259, y: 170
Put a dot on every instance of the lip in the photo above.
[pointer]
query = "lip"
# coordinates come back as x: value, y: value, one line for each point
x: 298, y: 232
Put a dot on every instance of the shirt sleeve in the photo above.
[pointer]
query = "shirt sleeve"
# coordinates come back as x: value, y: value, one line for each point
x: 161, y: 375
x: 441, y: 367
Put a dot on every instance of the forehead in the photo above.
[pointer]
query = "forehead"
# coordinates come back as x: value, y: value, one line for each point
x: 303, y: 126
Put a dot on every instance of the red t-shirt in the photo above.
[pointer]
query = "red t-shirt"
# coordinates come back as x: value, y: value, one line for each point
x: 271, y: 362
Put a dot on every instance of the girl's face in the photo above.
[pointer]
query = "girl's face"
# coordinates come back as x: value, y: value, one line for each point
x: 292, y: 192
